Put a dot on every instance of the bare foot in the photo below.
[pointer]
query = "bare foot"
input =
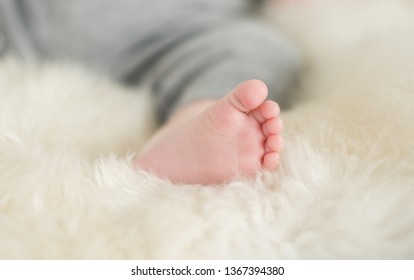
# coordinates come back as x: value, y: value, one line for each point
x: 213, y: 141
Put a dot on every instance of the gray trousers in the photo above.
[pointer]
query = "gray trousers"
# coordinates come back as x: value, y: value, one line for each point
x: 186, y: 50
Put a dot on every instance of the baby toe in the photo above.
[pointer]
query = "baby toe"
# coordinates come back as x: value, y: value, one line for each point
x: 271, y: 161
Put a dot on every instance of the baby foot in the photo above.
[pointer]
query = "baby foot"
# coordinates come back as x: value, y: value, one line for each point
x: 237, y: 135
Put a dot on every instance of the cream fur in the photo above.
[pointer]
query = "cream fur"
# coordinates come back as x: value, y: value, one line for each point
x: 345, y: 188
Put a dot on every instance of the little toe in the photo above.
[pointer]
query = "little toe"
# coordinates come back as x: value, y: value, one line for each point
x: 248, y: 95
x: 271, y: 161
x: 274, y: 143
x: 272, y: 126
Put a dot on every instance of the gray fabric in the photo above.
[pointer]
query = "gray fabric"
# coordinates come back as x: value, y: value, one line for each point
x: 184, y: 49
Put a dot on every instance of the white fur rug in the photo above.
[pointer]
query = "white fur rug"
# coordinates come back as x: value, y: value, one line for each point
x: 345, y: 188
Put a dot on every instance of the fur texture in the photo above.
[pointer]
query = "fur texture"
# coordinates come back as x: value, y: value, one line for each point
x: 345, y: 188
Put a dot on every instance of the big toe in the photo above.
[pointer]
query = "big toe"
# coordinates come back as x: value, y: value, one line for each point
x: 248, y: 95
